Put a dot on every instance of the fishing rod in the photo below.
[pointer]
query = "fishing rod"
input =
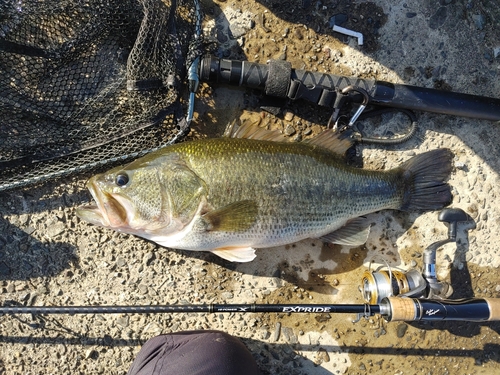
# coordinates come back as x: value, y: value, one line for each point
x: 395, y: 295
x: 391, y: 308
x: 278, y: 79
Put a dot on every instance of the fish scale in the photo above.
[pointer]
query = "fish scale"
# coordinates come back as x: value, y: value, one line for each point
x: 302, y: 194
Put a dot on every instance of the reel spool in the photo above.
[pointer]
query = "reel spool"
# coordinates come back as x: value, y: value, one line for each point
x: 379, y: 284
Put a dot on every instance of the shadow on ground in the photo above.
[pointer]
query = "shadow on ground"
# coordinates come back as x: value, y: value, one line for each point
x: 265, y: 352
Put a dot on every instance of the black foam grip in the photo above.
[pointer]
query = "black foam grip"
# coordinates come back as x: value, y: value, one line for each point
x: 278, y: 79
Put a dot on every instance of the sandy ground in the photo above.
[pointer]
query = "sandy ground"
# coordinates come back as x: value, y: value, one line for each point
x: 49, y: 257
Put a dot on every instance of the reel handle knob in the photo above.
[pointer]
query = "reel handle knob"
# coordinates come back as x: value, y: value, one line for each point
x: 452, y: 216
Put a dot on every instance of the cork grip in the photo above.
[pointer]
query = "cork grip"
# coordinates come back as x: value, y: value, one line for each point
x: 403, y: 309
x: 494, y: 305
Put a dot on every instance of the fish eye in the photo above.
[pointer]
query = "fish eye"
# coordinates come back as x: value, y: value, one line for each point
x: 121, y: 179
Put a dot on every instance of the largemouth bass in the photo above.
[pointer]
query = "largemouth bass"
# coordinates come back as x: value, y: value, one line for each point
x: 231, y: 196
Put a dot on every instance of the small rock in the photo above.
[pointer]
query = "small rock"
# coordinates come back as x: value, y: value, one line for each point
x: 288, y: 116
x: 496, y: 52
x: 289, y: 335
x: 438, y: 18
x: 55, y: 229
x: 123, y: 321
x: 401, y: 329
x: 4, y: 269
x: 42, y: 290
x: 479, y: 21
x: 323, y: 317
x: 277, y: 332
x: 265, y: 334
x: 148, y: 257
x: 289, y: 130
x: 323, y: 354
x: 274, y: 354
x: 227, y: 295
x: 29, y: 229
x: 236, y: 31
x: 473, y: 210
x: 90, y: 353
x: 120, y: 262
x: 317, y: 129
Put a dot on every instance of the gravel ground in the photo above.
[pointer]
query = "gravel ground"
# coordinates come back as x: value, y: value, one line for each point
x: 49, y: 257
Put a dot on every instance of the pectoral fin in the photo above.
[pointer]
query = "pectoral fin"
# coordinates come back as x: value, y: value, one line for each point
x: 235, y: 217
x: 235, y: 254
x: 354, y: 233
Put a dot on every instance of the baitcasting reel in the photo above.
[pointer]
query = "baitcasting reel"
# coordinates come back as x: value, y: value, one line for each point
x: 380, y: 283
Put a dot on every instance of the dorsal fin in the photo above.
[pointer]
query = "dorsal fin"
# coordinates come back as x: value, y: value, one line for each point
x: 334, y: 141
x: 251, y: 130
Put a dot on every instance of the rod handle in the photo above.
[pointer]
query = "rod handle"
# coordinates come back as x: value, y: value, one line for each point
x: 420, y: 309
x: 494, y: 306
x: 400, y: 309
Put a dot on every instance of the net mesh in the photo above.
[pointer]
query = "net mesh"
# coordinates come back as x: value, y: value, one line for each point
x: 90, y: 82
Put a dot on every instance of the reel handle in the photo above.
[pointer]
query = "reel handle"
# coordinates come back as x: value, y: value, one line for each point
x: 415, y: 309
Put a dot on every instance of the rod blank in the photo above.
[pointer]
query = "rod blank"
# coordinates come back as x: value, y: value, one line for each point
x: 212, y: 308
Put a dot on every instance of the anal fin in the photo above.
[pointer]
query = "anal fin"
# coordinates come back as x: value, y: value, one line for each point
x: 353, y: 233
x: 235, y: 253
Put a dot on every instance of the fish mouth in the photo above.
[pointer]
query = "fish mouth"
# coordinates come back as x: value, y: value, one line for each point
x: 105, y: 212
x: 94, y: 213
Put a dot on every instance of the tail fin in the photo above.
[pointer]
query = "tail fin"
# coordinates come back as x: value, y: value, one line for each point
x: 425, y: 178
